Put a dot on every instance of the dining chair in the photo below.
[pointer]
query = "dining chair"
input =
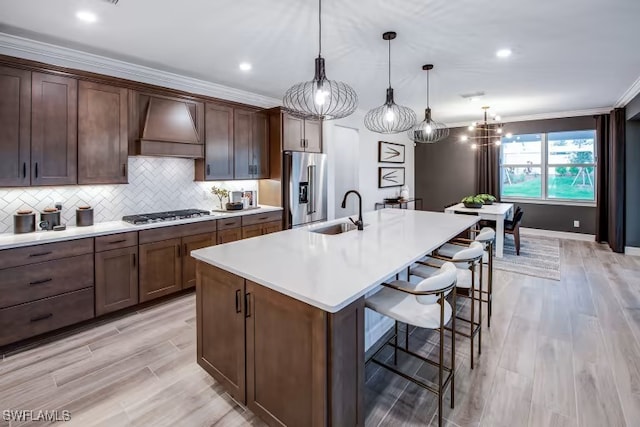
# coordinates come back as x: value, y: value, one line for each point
x: 466, y: 262
x: 422, y: 305
x: 513, y: 228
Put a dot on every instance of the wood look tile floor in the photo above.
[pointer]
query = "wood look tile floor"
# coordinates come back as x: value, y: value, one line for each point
x: 561, y: 353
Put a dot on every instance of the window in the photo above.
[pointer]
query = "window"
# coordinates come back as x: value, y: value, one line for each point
x: 554, y: 166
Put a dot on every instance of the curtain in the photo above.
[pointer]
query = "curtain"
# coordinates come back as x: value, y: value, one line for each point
x: 610, y: 133
x: 488, y: 179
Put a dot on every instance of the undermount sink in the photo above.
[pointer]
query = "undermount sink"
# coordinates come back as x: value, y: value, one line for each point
x: 339, y: 228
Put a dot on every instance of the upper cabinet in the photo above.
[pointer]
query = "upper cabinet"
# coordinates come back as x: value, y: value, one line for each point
x: 165, y: 126
x: 102, y: 134
x: 15, y: 122
x: 301, y: 135
x: 236, y: 144
x: 54, y: 126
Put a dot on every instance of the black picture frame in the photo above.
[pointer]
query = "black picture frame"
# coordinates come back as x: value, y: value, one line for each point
x: 390, y: 152
x: 390, y: 177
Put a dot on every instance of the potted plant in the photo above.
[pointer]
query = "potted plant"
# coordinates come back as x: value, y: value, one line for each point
x: 487, y: 199
x: 472, y: 202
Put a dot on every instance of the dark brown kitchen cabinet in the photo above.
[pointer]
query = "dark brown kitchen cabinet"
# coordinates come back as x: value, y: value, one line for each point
x: 15, y: 122
x: 54, y: 130
x: 102, y: 134
x: 218, y: 144
x: 116, y: 279
x: 260, y: 145
x: 242, y: 158
x: 221, y: 294
x: 230, y: 235
x: 249, y: 231
x: 301, y: 135
x: 191, y: 243
x: 272, y: 227
x: 160, y: 268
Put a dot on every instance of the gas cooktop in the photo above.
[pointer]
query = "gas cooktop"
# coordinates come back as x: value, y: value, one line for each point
x: 164, y: 216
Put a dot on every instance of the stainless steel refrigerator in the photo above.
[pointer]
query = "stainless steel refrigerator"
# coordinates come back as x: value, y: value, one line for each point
x: 305, y: 188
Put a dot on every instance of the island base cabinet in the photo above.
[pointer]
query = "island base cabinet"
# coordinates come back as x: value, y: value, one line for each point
x: 295, y: 365
x: 220, y: 327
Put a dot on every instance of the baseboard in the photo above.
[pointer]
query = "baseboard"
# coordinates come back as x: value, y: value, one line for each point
x: 631, y: 250
x: 558, y: 234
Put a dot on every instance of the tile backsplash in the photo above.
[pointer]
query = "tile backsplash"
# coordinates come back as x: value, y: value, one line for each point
x: 155, y: 184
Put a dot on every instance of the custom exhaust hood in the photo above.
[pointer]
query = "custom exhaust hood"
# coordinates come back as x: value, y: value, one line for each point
x: 166, y: 126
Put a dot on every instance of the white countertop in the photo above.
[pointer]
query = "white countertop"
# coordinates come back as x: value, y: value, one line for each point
x: 331, y: 271
x: 499, y: 209
x: 10, y: 240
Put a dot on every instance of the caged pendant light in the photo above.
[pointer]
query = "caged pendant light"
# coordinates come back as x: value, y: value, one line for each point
x: 390, y: 117
x: 320, y: 98
x: 428, y: 131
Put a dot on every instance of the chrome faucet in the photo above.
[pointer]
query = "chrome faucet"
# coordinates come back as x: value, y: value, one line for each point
x: 359, y: 222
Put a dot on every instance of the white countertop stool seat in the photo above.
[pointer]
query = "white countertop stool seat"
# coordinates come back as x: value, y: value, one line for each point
x: 467, y: 261
x: 423, y: 305
x: 487, y: 237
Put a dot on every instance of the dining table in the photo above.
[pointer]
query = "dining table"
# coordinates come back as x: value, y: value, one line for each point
x: 498, y: 212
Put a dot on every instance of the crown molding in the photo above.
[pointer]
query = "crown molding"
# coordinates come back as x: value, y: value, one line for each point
x: 544, y: 116
x: 65, y: 57
x: 629, y: 94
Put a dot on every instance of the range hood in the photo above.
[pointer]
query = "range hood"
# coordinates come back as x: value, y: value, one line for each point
x: 167, y: 127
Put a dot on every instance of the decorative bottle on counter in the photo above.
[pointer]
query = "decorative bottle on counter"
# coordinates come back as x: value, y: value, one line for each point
x: 404, y: 193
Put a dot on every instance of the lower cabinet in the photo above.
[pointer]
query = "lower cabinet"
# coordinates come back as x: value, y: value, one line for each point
x: 191, y: 243
x: 261, y: 229
x: 230, y: 235
x: 291, y: 363
x: 160, y: 268
x: 116, y: 279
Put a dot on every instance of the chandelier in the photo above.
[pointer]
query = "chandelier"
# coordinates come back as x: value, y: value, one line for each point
x: 428, y: 131
x: 389, y: 117
x: 320, y: 98
x: 486, y: 133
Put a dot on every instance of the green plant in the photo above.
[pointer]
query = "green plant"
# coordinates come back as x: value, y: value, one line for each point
x: 487, y: 197
x: 473, y: 200
x: 220, y: 192
x: 562, y: 171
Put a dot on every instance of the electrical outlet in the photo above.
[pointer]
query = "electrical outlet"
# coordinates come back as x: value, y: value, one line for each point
x: 576, y: 224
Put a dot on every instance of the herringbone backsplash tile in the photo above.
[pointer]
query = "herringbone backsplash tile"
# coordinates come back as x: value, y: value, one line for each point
x: 155, y: 184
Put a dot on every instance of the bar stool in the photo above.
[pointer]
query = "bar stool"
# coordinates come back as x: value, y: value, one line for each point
x: 424, y: 306
x: 466, y: 261
x: 486, y: 236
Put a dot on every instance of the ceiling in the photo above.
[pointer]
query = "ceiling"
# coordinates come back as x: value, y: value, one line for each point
x: 567, y: 55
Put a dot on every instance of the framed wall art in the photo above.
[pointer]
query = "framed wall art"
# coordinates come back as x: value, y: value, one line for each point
x: 390, y: 177
x: 390, y: 152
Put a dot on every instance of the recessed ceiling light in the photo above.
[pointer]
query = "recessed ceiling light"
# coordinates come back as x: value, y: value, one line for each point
x: 503, y: 53
x: 86, y: 16
x: 245, y: 66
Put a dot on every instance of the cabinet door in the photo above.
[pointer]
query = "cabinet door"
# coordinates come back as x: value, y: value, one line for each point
x: 313, y: 136
x: 230, y: 235
x: 218, y: 151
x: 272, y: 227
x: 251, y: 231
x: 160, y: 269
x: 242, y: 144
x: 102, y: 134
x: 292, y: 133
x: 191, y: 243
x: 15, y: 125
x: 260, y: 148
x: 54, y: 130
x: 220, y: 308
x: 285, y: 335
x: 116, y: 279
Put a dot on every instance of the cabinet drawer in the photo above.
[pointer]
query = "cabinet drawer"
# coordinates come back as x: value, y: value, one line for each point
x: 46, y: 252
x: 176, y: 231
x: 116, y: 241
x: 34, y: 318
x: 227, y: 223
x: 262, y: 218
x: 33, y: 282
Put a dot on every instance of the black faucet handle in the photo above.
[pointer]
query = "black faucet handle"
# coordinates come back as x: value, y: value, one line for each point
x: 354, y: 222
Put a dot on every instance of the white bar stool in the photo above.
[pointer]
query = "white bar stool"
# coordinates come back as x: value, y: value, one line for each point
x: 422, y: 305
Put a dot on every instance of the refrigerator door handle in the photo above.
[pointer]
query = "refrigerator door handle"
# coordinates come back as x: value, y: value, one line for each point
x: 311, y: 206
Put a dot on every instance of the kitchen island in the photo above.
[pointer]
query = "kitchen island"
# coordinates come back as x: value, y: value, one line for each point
x: 280, y: 318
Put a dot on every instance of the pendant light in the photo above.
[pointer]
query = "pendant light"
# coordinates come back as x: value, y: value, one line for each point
x: 486, y: 133
x: 428, y: 130
x: 390, y: 117
x: 320, y: 98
